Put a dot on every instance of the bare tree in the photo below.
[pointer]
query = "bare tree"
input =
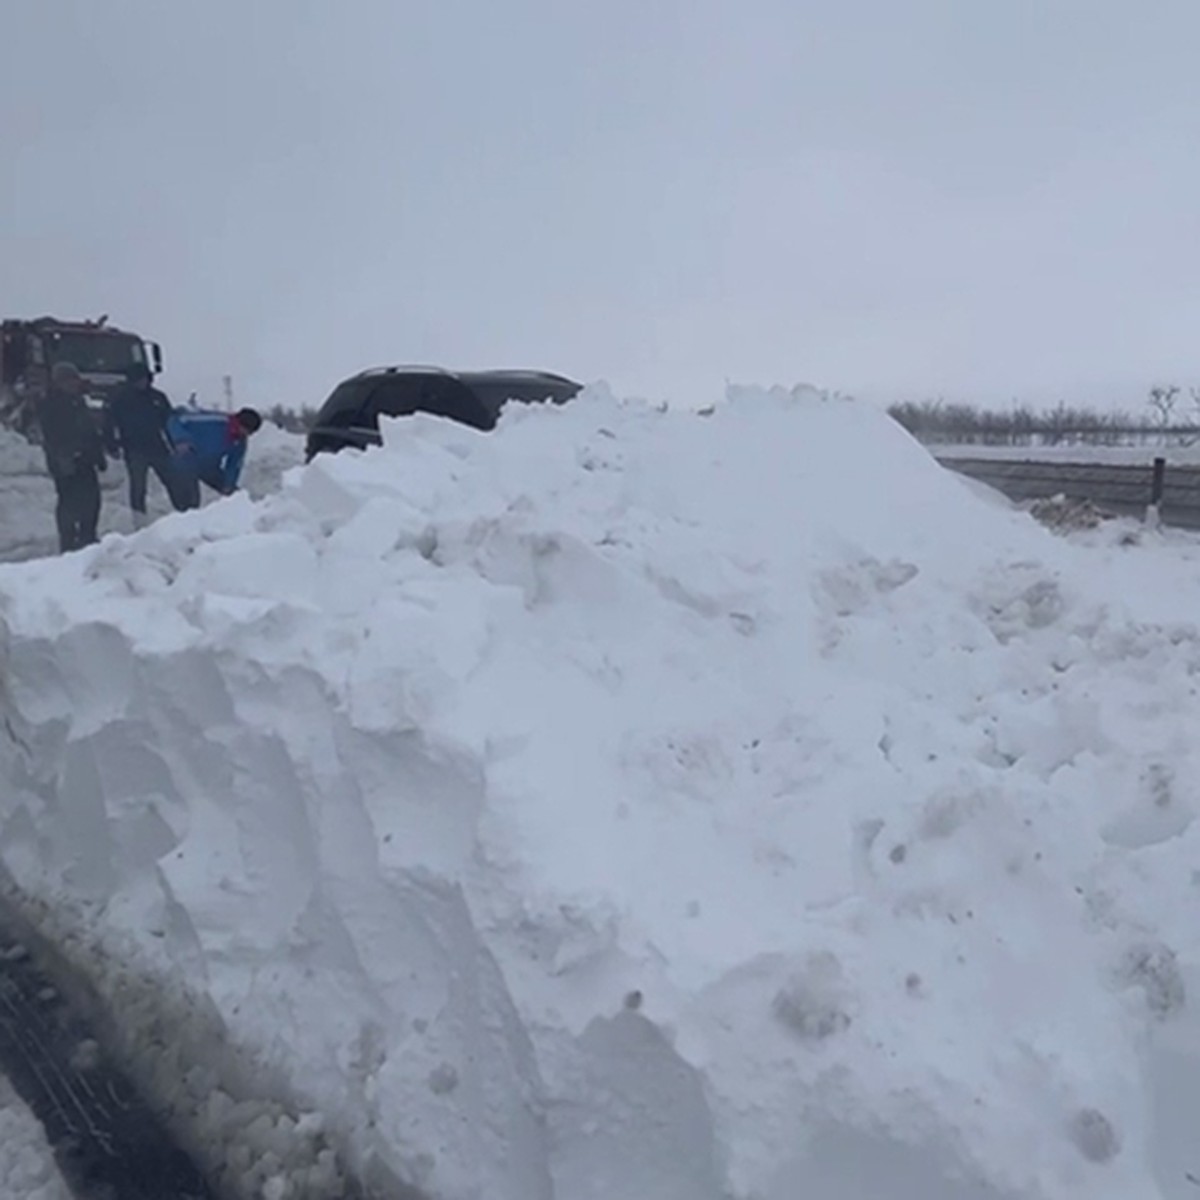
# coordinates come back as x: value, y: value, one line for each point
x: 942, y: 422
x: 290, y: 419
x: 1162, y: 404
x: 1194, y: 393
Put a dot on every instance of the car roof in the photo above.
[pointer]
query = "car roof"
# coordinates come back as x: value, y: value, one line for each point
x: 403, y: 369
x: 472, y: 377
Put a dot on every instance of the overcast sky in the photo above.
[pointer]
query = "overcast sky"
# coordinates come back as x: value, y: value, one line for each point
x: 981, y: 198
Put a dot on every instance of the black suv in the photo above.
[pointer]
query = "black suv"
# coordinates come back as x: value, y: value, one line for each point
x: 350, y: 417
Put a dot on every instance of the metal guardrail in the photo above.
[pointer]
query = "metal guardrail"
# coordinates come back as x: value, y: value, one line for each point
x: 1124, y: 490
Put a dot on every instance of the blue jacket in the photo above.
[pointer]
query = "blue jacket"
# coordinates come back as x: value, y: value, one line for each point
x: 211, y: 444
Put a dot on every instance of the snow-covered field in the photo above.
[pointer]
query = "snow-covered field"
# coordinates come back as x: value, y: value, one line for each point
x: 630, y: 804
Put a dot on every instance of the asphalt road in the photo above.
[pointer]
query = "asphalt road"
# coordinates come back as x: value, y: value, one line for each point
x: 1122, y: 489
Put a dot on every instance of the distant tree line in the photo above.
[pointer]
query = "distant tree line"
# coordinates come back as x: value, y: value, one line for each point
x: 290, y: 419
x: 1020, y: 425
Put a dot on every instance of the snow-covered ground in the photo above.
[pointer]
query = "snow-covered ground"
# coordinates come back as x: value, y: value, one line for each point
x: 630, y: 804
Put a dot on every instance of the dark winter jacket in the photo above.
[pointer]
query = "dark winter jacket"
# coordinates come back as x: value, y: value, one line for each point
x: 70, y: 436
x: 135, y: 421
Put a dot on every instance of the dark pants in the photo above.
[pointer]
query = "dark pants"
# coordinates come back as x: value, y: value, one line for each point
x: 188, y: 480
x: 138, y: 465
x: 78, y: 509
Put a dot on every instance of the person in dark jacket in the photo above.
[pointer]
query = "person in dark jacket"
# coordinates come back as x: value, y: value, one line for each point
x: 210, y: 448
x: 74, y: 452
x: 135, y: 426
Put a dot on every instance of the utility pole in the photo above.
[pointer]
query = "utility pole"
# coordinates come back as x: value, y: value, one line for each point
x: 227, y: 380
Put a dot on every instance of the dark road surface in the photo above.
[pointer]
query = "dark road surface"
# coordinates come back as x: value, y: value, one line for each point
x: 107, y: 1142
x: 1122, y: 489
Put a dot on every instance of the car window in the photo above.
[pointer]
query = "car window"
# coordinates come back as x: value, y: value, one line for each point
x: 345, y: 405
x: 397, y: 397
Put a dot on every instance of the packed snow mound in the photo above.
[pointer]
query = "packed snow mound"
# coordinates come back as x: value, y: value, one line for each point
x: 27, y: 505
x: 625, y: 803
x: 27, y: 1167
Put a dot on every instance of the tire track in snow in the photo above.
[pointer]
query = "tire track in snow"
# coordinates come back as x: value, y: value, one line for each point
x: 107, y: 1142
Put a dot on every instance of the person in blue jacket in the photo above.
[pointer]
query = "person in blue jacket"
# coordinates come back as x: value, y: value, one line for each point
x: 209, y: 448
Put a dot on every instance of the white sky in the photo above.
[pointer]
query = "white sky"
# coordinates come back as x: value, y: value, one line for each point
x: 985, y: 198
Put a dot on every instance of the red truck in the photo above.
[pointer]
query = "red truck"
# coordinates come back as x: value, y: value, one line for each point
x: 28, y: 349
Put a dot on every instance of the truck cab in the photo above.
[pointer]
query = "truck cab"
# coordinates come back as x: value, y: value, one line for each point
x: 28, y: 350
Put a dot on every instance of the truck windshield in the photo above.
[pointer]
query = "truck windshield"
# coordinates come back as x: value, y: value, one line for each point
x: 95, y: 352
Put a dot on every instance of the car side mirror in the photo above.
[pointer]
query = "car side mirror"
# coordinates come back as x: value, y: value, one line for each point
x: 156, y: 357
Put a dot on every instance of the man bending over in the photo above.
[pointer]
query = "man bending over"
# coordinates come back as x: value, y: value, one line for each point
x: 210, y: 448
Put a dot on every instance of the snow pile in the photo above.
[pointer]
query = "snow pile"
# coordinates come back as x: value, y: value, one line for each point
x: 627, y: 804
x: 27, y: 508
x: 26, y: 1166
x: 1066, y: 514
x: 27, y: 492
